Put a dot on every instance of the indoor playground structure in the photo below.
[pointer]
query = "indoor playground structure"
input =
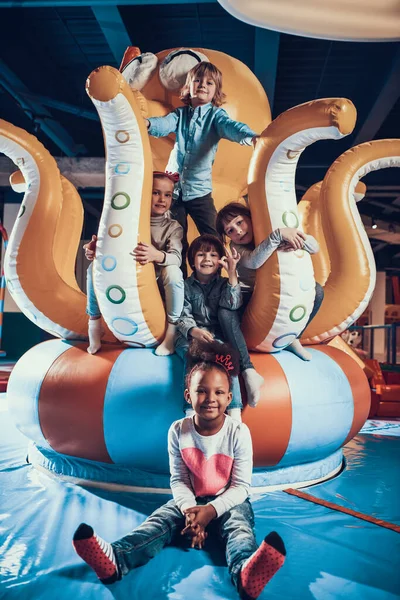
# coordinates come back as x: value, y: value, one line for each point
x: 89, y: 418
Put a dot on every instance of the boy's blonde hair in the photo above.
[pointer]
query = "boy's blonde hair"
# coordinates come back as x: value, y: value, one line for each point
x: 200, y: 70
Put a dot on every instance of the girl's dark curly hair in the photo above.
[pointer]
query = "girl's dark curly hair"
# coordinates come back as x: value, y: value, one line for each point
x: 203, y: 356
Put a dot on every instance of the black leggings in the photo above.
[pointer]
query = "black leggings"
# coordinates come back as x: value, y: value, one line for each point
x: 203, y: 213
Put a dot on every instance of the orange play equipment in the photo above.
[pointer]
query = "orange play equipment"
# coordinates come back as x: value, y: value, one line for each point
x: 102, y: 408
x: 385, y: 391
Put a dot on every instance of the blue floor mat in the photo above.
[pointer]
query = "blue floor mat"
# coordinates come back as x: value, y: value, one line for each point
x: 330, y: 555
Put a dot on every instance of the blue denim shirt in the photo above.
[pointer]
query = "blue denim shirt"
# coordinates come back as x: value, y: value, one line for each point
x: 198, y: 131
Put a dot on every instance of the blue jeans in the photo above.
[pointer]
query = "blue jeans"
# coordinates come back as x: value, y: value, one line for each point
x: 92, y: 306
x: 229, y: 321
x: 181, y: 348
x: 235, y: 528
x: 319, y: 296
x: 170, y: 281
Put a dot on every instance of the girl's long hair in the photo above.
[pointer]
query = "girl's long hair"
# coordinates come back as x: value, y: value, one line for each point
x: 227, y: 213
x: 200, y: 70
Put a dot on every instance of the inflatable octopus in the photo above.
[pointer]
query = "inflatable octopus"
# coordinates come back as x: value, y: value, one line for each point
x: 104, y: 419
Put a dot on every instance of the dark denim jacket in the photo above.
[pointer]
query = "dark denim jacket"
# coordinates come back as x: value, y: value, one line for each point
x: 202, y: 301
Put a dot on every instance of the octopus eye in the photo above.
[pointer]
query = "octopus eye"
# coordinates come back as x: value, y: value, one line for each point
x: 140, y: 70
x: 176, y: 65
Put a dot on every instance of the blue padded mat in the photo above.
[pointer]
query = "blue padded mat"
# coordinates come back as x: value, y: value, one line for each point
x: 330, y: 555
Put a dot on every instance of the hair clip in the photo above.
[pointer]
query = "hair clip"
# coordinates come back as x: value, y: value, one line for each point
x: 174, y: 177
x: 225, y: 361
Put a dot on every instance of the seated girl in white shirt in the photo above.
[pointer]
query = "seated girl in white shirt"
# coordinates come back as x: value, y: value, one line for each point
x: 211, y: 466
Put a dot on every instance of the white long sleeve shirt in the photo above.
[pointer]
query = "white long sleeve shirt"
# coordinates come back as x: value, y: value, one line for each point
x: 252, y: 259
x: 215, y: 465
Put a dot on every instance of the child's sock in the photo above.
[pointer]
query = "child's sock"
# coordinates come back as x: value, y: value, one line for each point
x: 298, y: 350
x: 189, y: 412
x: 235, y: 413
x: 261, y: 566
x: 95, y: 332
x: 253, y: 382
x: 97, y: 553
x: 167, y: 346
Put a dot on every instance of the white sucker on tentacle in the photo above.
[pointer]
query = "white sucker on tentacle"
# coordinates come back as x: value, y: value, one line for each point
x: 127, y: 292
x: 285, y: 286
x: 352, y: 279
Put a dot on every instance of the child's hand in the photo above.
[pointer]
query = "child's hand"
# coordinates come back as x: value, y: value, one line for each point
x: 146, y: 253
x: 90, y: 248
x: 285, y: 247
x: 189, y: 517
x: 199, y: 539
x: 230, y: 261
x: 196, y: 532
x: 202, y: 515
x: 294, y: 237
x: 201, y: 334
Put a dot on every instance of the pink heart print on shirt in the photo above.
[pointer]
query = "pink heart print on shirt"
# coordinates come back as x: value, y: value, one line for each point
x: 209, y: 476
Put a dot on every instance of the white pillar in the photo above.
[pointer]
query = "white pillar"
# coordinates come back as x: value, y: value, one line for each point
x: 377, y: 307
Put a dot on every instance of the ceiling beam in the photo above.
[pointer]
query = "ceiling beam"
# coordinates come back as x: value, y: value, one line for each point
x: 63, y: 106
x: 266, y: 53
x: 379, y: 247
x: 38, y: 113
x: 91, y: 3
x: 91, y: 209
x: 87, y: 172
x: 383, y: 205
x: 113, y: 28
x: 384, y: 103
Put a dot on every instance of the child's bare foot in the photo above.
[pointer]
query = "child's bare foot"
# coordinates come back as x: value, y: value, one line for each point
x: 253, y: 382
x: 95, y: 331
x: 299, y: 351
x: 235, y: 413
x: 167, y: 346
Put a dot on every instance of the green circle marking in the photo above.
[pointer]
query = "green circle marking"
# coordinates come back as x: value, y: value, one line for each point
x: 290, y: 219
x: 124, y: 205
x: 293, y: 316
x: 120, y: 290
